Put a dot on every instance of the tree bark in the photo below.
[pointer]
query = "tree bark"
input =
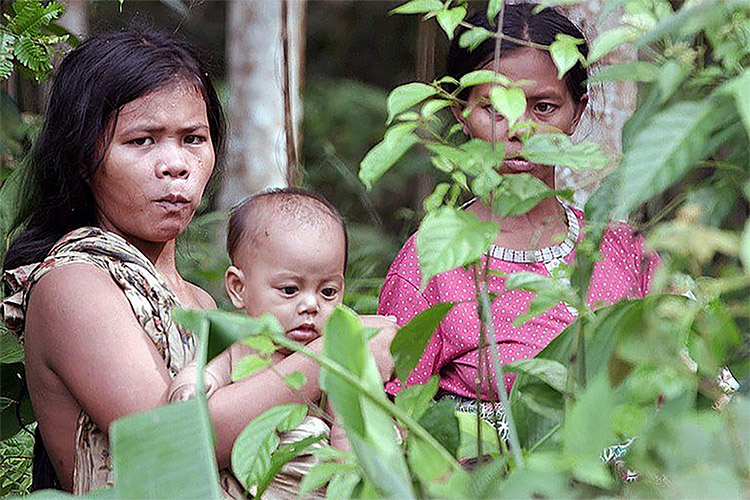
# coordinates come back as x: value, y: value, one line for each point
x: 265, y: 49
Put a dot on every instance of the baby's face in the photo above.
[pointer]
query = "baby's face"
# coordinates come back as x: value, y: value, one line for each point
x: 295, y: 273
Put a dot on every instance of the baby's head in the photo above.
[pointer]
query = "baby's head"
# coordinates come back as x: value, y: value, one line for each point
x: 288, y: 250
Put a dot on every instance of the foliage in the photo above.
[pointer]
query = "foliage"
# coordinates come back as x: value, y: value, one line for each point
x: 620, y: 374
x: 29, y: 38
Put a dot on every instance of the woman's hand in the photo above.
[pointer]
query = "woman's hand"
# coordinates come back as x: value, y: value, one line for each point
x: 380, y: 344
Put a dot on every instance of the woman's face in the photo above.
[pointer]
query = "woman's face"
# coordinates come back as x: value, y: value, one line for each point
x: 156, y: 166
x: 549, y: 104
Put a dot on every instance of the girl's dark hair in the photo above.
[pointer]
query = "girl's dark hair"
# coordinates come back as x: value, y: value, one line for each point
x: 93, y: 82
x: 520, y: 22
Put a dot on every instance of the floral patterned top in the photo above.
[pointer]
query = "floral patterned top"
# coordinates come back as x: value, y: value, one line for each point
x: 151, y: 300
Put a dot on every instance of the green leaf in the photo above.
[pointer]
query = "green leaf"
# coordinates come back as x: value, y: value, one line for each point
x: 610, y: 40
x: 433, y: 106
x: 467, y: 426
x: 281, y: 457
x: 493, y: 9
x: 296, y: 380
x: 166, y: 452
x: 434, y: 200
x: 426, y: 462
x: 13, y: 388
x: 552, y: 373
x: 6, y: 55
x: 251, y: 454
x: 440, y: 421
x: 740, y: 88
x: 511, y: 103
x: 397, y: 141
x: 31, y: 55
x: 249, y: 365
x: 473, y: 38
x: 745, y: 247
x: 557, y: 149
x: 319, y: 475
x: 587, y: 432
x: 263, y: 345
x: 342, y: 485
x: 415, y: 399
x: 449, y: 238
x: 519, y: 193
x: 412, y: 338
x: 564, y: 53
x: 665, y: 150
x: 449, y: 19
x: 636, y: 71
x: 11, y: 350
x: 418, y: 7
x: 483, y: 76
x: 486, y: 182
x: 407, y: 96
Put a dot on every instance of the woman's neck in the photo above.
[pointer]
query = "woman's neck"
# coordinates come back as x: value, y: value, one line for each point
x: 542, y: 226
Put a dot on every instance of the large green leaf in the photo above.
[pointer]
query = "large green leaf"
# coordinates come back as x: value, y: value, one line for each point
x: 281, y: 457
x: 509, y: 102
x: 610, y: 40
x: 740, y: 88
x: 415, y: 399
x: 587, y: 432
x: 665, y: 150
x: 564, y: 53
x: 557, y: 149
x: 166, y: 452
x: 368, y: 427
x: 519, y: 193
x: 473, y: 38
x: 397, y: 141
x: 467, y: 426
x: 449, y: 19
x: 252, y: 450
x: 553, y: 373
x: 636, y: 71
x: 482, y: 76
x: 407, y: 96
x: 449, y: 238
x: 440, y: 421
x: 412, y: 338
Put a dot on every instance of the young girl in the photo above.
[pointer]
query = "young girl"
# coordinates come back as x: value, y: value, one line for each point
x: 538, y: 241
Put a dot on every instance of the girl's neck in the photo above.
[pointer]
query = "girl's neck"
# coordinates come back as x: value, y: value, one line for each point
x: 544, y: 225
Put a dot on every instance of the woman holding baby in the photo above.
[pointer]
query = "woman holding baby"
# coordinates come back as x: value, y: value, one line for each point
x: 132, y: 133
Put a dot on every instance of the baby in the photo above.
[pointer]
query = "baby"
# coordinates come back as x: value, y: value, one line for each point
x: 288, y: 249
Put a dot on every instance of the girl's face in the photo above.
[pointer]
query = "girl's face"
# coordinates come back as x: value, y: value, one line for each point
x: 549, y: 104
x: 156, y: 166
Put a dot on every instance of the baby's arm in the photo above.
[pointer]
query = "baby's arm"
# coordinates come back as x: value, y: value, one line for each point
x: 338, y: 436
x: 217, y: 374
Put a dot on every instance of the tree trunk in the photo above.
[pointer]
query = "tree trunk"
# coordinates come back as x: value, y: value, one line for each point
x: 265, y: 49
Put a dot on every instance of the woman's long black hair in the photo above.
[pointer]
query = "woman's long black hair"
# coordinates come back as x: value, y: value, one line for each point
x: 520, y: 22
x: 91, y: 85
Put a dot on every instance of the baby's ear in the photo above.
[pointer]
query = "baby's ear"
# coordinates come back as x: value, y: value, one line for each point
x: 234, y: 282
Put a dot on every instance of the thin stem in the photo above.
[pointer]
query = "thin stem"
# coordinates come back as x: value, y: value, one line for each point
x: 581, y: 354
x: 546, y: 437
x: 515, y: 445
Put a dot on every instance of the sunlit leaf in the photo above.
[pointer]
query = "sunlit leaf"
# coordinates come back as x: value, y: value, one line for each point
x: 418, y: 7
x: 511, y: 103
x: 482, y: 76
x: 467, y: 425
x: 435, y: 200
x: 449, y: 19
x: 295, y: 380
x: 557, y: 149
x: 564, y: 53
x: 610, y: 40
x: 397, y: 141
x: 426, y: 462
x: 251, y: 454
x: 166, y: 452
x: 281, y: 457
x: 493, y: 9
x: 261, y: 344
x: 449, y: 238
x: 407, y: 96
x: 636, y: 71
x: 740, y: 87
x: 319, y: 475
x: 249, y: 365
x: 473, y: 38
x: 342, y: 485
x: 412, y: 338
x: 433, y: 106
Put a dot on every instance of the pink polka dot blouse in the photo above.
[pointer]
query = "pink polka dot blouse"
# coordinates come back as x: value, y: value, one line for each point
x: 623, y: 272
